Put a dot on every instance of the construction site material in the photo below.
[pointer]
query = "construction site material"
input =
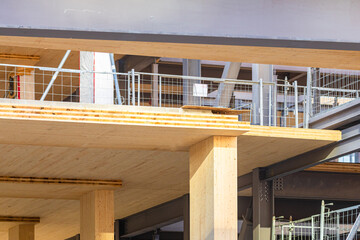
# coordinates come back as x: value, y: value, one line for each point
x: 12, y: 179
x: 19, y: 219
x: 213, y: 203
x: 323, y: 58
x: 217, y: 110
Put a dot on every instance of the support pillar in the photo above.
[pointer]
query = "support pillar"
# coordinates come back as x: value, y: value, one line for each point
x: 26, y: 88
x: 97, y: 215
x: 155, y: 86
x: 191, y: 67
x: 95, y: 85
x: 263, y: 206
x: 22, y: 232
x: 226, y: 91
x: 213, y: 189
x: 266, y: 73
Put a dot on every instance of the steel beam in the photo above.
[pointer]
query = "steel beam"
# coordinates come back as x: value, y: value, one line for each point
x: 263, y: 206
x: 349, y: 144
x: 244, y: 182
x: 337, y: 117
x: 152, y: 219
x: 318, y: 185
x: 225, y: 90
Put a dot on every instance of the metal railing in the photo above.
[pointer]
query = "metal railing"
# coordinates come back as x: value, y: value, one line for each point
x: 328, y: 225
x: 332, y: 88
x: 278, y: 103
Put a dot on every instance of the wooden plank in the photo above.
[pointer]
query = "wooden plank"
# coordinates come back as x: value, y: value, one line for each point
x: 165, y: 89
x: 213, y: 189
x: 97, y: 215
x: 217, y: 110
x: 19, y: 56
x: 322, y: 58
x: 336, y: 167
x: 19, y: 219
x: 22, y: 232
x: 71, y: 181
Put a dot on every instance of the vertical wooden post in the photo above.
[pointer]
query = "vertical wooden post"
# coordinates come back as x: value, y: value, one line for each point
x: 22, y: 232
x: 26, y: 88
x: 213, y: 189
x: 97, y: 215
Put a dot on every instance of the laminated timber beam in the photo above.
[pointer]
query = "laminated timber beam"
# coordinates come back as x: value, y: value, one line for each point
x: 19, y: 219
x: 322, y: 58
x: 19, y: 57
x: 71, y: 181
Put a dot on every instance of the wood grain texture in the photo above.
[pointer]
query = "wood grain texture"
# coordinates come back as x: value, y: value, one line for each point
x: 213, y: 184
x: 19, y: 56
x: 339, y: 167
x: 19, y: 219
x: 217, y: 110
x: 265, y: 55
x: 22, y: 232
x: 67, y: 181
x: 97, y: 215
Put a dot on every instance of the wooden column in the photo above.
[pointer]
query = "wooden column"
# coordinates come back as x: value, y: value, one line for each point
x: 22, y: 232
x: 97, y: 215
x: 26, y: 88
x: 213, y: 189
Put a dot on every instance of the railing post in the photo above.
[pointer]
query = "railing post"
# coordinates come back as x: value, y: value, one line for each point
x: 338, y: 226
x: 160, y: 93
x: 285, y: 102
x: 308, y: 97
x: 275, y: 104
x: 138, y: 101
x: 296, y: 104
x: 129, y: 87
x: 270, y: 104
x: 133, y: 86
x: 261, y: 103
x: 312, y: 229
x: 322, y: 219
x: 273, y: 232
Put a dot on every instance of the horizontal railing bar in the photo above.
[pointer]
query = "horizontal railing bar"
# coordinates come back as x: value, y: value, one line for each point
x: 335, y: 89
